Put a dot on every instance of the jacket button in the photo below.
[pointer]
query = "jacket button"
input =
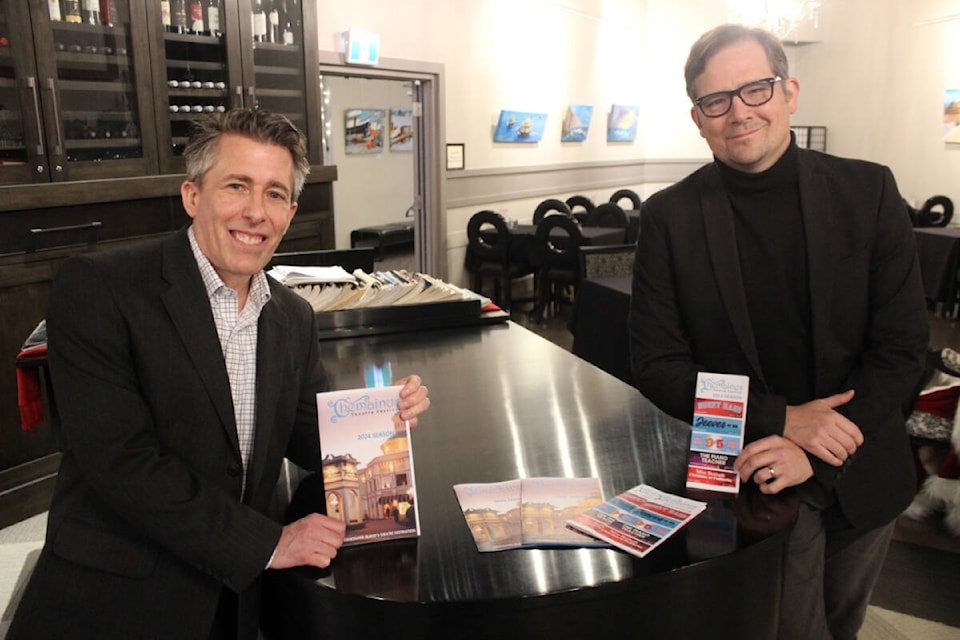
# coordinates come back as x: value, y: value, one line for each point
x: 234, y: 470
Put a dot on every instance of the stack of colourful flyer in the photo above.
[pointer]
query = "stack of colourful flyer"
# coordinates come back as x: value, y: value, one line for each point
x: 368, y: 474
x: 719, y: 415
x: 531, y: 512
x: 637, y: 520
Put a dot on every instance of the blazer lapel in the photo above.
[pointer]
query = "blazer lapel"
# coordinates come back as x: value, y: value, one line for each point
x: 722, y: 246
x: 818, y: 217
x: 186, y: 302
x: 270, y: 373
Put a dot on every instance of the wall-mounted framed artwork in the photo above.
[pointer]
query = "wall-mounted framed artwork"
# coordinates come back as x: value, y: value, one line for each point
x: 520, y: 126
x: 951, y: 116
x: 364, y: 130
x: 401, y: 129
x: 622, y: 125
x: 576, y: 124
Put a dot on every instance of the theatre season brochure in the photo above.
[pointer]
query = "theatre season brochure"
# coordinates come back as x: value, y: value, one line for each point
x: 368, y: 464
x: 639, y: 519
x: 719, y: 415
x: 528, y: 512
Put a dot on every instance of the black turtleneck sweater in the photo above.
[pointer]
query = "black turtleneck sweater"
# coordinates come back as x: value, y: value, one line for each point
x: 773, y: 262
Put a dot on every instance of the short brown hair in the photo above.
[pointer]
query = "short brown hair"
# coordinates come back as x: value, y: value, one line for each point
x: 718, y: 38
x: 263, y: 126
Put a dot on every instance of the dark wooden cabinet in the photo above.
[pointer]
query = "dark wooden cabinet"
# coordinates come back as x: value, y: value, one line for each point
x: 256, y: 59
x: 90, y: 156
x: 75, y: 96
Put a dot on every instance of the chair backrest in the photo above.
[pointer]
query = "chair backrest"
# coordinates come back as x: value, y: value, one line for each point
x: 935, y: 212
x: 583, y: 202
x: 550, y: 204
x: 608, y: 214
x: 552, y: 251
x: 487, y: 249
x: 607, y: 260
x: 349, y: 259
x: 626, y: 193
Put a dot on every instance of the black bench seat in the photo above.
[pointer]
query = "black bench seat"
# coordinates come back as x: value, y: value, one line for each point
x: 385, y: 235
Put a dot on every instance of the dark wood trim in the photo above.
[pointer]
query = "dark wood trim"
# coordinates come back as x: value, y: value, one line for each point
x: 25, y: 490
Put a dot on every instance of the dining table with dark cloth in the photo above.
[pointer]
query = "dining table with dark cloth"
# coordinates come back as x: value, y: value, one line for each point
x: 507, y: 404
x: 633, y: 223
x: 938, y: 251
x: 599, y: 324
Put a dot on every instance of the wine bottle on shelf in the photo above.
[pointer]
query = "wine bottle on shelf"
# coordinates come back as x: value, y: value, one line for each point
x: 108, y: 12
x: 165, y: 14
x: 196, y: 17
x: 273, y: 23
x: 213, y: 17
x: 91, y: 11
x: 259, y: 22
x: 71, y: 11
x: 178, y: 16
x: 286, y: 36
x: 53, y: 7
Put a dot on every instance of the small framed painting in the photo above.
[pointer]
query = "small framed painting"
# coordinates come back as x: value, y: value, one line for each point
x: 364, y: 130
x: 622, y: 125
x: 401, y: 130
x: 576, y: 123
x: 520, y: 126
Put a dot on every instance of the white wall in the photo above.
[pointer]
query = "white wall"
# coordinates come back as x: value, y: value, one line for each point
x: 874, y: 79
x: 877, y: 81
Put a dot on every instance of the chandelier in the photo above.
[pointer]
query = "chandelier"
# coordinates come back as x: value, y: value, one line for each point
x: 781, y: 17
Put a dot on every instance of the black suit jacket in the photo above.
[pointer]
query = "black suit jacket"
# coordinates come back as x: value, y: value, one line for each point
x: 869, y: 324
x: 147, y: 525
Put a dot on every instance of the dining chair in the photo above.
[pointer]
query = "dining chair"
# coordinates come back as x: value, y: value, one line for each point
x: 585, y: 205
x: 548, y: 205
x: 558, y: 240
x: 935, y: 212
x: 619, y: 195
x: 608, y: 214
x: 488, y: 237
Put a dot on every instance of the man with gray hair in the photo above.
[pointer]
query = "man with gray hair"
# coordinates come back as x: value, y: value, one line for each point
x: 797, y: 269
x: 183, y: 377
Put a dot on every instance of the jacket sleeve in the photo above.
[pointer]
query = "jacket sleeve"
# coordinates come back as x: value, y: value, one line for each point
x: 886, y: 366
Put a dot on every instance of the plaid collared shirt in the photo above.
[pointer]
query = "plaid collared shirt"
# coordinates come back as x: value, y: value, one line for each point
x: 238, y: 341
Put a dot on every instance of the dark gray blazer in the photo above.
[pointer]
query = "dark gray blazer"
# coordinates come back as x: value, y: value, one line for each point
x: 146, y: 524
x: 869, y: 324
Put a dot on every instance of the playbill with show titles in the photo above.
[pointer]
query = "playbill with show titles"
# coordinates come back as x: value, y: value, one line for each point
x: 639, y: 519
x: 368, y: 474
x: 719, y: 416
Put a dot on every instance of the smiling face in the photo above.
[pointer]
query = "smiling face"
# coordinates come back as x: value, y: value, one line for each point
x: 750, y: 139
x: 241, y: 207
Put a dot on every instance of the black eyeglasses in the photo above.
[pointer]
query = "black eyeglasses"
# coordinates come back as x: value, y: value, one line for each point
x: 752, y: 94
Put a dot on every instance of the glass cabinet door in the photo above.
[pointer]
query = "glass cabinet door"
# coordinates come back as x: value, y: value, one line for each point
x: 22, y: 145
x: 92, y: 72
x: 250, y: 53
x: 274, y: 56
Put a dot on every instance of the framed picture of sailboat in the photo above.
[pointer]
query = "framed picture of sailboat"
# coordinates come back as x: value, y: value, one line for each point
x: 576, y: 123
x: 519, y: 126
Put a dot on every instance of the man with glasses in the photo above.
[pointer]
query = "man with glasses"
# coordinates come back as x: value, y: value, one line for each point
x: 797, y: 269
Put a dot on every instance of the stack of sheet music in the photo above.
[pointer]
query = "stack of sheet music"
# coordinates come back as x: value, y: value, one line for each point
x: 333, y: 288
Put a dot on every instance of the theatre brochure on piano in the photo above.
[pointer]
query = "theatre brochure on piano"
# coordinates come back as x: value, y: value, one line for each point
x: 639, y: 519
x: 719, y: 416
x: 368, y: 464
x: 529, y: 512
